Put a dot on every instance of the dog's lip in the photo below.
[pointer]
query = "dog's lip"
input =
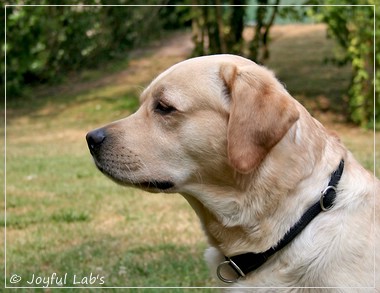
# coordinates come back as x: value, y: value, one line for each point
x: 149, y: 184
x: 154, y: 184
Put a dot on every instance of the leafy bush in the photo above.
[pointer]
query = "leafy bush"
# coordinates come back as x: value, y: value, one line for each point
x: 353, y: 28
x: 44, y: 43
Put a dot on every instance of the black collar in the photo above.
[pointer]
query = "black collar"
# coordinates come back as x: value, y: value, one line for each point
x: 248, y: 262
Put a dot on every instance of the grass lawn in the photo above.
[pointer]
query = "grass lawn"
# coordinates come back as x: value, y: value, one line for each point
x: 64, y: 217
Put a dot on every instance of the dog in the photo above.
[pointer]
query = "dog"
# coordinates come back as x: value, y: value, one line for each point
x: 252, y: 162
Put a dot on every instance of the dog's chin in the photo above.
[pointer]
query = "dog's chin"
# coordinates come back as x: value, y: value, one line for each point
x: 151, y: 185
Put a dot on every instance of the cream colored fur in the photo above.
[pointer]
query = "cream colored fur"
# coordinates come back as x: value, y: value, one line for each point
x: 250, y: 160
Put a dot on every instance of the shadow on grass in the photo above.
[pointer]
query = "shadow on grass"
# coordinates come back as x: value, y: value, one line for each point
x: 299, y: 57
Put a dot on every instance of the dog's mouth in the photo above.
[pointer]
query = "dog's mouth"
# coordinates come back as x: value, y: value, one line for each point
x: 150, y: 185
x: 161, y: 185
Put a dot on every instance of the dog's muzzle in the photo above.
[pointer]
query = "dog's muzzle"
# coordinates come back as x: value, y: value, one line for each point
x: 100, y: 150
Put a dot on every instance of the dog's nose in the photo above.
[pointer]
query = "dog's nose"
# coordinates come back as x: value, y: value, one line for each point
x: 94, y: 139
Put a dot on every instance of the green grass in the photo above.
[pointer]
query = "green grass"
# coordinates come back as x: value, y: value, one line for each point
x: 64, y: 216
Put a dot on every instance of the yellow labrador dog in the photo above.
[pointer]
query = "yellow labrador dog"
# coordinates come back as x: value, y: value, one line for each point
x: 281, y: 200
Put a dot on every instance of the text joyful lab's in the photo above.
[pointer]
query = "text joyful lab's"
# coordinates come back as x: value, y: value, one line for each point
x: 54, y: 280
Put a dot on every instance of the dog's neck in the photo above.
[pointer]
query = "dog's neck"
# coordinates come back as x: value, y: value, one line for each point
x: 262, y: 206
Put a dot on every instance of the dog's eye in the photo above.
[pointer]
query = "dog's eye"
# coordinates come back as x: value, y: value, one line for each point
x: 163, y: 109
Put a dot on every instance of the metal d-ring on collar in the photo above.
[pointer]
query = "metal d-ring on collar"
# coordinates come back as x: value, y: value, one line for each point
x: 245, y: 263
x: 323, y: 196
x: 235, y: 267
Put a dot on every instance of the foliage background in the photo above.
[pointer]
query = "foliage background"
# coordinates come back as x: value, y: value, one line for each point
x: 356, y: 31
x: 44, y: 43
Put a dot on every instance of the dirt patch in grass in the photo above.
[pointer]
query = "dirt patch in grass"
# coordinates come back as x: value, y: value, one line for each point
x: 299, y: 55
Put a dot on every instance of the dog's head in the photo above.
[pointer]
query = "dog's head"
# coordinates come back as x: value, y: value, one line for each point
x: 200, y: 122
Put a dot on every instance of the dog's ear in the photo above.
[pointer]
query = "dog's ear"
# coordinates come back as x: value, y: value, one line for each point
x: 261, y: 112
